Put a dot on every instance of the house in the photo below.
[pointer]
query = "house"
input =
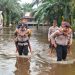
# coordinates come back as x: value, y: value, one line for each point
x: 28, y: 19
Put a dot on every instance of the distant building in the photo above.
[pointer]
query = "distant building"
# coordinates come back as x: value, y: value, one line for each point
x: 28, y: 19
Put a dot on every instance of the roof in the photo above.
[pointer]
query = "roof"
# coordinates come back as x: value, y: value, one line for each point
x: 27, y: 17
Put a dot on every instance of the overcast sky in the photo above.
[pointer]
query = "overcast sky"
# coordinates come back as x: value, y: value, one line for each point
x: 26, y: 1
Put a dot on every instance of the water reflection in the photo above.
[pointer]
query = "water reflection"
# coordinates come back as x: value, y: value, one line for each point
x: 7, y: 67
x: 23, y: 66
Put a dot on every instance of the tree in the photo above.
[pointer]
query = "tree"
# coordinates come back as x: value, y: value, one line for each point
x: 9, y: 7
x: 27, y: 7
x: 49, y: 9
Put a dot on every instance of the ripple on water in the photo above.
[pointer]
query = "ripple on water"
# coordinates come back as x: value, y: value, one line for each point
x: 54, y: 60
x: 7, y: 67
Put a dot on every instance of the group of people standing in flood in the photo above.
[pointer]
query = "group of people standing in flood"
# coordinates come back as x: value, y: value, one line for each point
x: 60, y: 38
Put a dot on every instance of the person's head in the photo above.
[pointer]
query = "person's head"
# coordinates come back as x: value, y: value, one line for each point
x: 65, y: 26
x: 22, y: 26
x: 62, y: 24
x: 26, y: 26
x: 54, y: 22
x: 24, y: 19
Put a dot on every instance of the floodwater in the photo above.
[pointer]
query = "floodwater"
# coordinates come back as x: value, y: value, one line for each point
x: 40, y: 62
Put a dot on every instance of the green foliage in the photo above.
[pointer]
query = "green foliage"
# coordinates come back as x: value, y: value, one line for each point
x: 27, y: 7
x: 74, y: 13
x: 47, y: 10
x: 9, y: 8
x: 73, y: 27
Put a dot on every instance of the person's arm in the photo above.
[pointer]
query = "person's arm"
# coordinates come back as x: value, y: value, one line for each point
x: 54, y: 34
x: 29, y: 46
x: 49, y: 33
x: 16, y: 32
x: 52, y: 37
x: 70, y: 38
x: 29, y: 33
x: 15, y: 40
x: 70, y: 43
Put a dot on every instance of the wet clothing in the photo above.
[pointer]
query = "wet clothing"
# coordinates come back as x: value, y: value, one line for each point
x: 61, y: 51
x: 60, y: 37
x: 51, y: 30
x: 23, y: 47
x: 26, y: 26
x: 61, y: 40
x: 22, y: 41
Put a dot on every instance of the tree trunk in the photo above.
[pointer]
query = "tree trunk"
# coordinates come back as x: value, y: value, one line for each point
x: 4, y: 18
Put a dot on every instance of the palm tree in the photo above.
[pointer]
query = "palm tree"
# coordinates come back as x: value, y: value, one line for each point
x: 72, y: 11
x: 36, y: 2
x: 27, y: 7
x: 49, y: 9
x: 9, y: 7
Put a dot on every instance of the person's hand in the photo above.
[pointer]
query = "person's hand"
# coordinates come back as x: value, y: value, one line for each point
x: 48, y: 40
x: 55, y: 45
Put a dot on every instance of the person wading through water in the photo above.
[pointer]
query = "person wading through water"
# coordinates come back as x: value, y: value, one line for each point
x: 70, y: 39
x: 22, y: 40
x: 62, y: 38
x: 24, y: 21
x: 51, y: 30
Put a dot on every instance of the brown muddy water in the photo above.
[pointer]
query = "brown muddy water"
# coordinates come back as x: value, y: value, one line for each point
x: 40, y: 62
